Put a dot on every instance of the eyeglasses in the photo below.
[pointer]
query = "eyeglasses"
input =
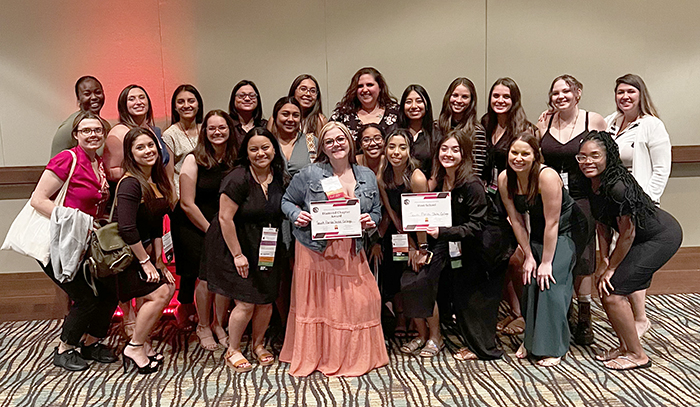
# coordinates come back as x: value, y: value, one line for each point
x: 594, y: 158
x: 368, y: 140
x: 243, y: 96
x: 222, y: 129
x: 311, y: 91
x: 88, y: 131
x: 340, y: 140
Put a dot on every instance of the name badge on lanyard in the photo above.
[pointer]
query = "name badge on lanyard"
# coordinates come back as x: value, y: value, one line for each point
x: 565, y: 179
x: 333, y: 188
x: 268, y: 247
x: 399, y: 244
x: 492, y: 188
x: 455, y: 254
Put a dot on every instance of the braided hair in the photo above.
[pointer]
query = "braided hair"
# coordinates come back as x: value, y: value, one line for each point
x: 635, y: 202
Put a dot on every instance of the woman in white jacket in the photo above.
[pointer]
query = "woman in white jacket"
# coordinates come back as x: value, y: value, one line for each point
x: 645, y: 149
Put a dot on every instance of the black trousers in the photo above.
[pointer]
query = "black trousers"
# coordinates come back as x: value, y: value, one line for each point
x: 88, y: 314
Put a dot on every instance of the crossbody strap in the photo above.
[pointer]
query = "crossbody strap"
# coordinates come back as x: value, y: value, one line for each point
x: 114, y: 205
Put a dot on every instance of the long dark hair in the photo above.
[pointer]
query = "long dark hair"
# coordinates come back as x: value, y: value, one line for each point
x: 349, y: 103
x: 468, y: 122
x: 533, y: 178
x: 125, y: 117
x: 158, y: 174
x: 465, y: 167
x: 175, y: 116
x: 387, y: 176
x: 636, y: 202
x: 204, y: 153
x: 278, y: 106
x: 277, y: 166
x: 517, y: 119
x: 427, y: 120
x: 257, y: 112
x: 309, y: 117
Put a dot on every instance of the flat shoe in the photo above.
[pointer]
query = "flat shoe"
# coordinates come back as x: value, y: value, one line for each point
x: 265, y: 358
x: 431, y: 349
x: 206, y: 339
x: 515, y: 327
x: 548, y: 362
x: 239, y: 364
x: 609, y: 354
x: 634, y: 365
x: 465, y: 354
x: 504, y: 322
x: 411, y: 347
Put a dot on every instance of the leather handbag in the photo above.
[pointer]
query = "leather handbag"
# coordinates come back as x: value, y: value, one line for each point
x: 107, y: 252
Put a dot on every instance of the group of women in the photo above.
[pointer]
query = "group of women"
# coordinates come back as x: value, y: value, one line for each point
x: 525, y: 202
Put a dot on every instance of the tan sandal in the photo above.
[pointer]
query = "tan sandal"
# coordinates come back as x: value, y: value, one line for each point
x: 240, y: 365
x: 465, y: 354
x: 515, y: 327
x: 413, y: 346
x: 548, y: 362
x: 431, y: 349
x: 504, y: 322
x: 609, y: 354
x: 206, y: 339
x: 265, y: 358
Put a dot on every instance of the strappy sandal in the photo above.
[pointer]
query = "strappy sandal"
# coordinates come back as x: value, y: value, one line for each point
x: 265, y: 358
x: 240, y: 365
x: 609, y: 354
x: 221, y: 336
x: 515, y: 327
x: 504, y: 322
x: 431, y: 349
x: 548, y: 362
x: 413, y: 346
x: 465, y: 354
x: 629, y: 364
x: 206, y: 339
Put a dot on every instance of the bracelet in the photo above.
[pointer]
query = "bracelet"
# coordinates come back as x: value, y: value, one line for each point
x: 144, y: 261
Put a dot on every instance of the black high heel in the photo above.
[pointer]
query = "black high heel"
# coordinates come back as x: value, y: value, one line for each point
x: 149, y: 368
x: 158, y: 358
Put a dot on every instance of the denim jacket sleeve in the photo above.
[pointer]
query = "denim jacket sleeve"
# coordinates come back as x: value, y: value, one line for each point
x: 369, y: 190
x: 293, y: 199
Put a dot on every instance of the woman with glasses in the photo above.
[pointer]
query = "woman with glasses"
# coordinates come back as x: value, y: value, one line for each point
x: 245, y: 108
x: 367, y: 100
x: 645, y: 149
x: 90, y: 315
x: 648, y: 238
x: 561, y: 130
x: 371, y: 138
x: 306, y: 91
x: 334, y: 319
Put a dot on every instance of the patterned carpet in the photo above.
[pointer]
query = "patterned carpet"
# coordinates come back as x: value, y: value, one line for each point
x: 193, y: 376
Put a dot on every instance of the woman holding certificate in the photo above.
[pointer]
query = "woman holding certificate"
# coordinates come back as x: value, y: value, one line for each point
x: 334, y: 320
x: 528, y: 188
x: 453, y: 172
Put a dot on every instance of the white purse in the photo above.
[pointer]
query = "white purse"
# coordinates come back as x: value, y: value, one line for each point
x: 30, y: 234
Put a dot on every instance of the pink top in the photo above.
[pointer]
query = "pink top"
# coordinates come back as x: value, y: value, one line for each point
x: 86, y: 192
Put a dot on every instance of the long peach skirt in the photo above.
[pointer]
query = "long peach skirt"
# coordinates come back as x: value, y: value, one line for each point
x: 334, y: 323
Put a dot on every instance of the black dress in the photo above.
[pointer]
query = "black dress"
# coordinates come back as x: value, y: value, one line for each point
x: 390, y: 271
x: 137, y: 222
x: 254, y: 213
x: 562, y: 158
x: 422, y: 149
x: 420, y: 290
x: 656, y: 240
x: 188, y: 239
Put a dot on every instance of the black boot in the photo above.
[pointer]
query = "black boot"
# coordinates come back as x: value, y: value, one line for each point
x: 584, y: 330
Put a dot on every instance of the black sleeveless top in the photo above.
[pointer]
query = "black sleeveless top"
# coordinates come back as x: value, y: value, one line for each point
x: 562, y: 158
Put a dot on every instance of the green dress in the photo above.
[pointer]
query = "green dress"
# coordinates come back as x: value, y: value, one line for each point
x: 546, y: 327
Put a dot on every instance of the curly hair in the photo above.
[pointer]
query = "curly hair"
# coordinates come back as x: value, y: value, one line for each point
x: 636, y: 202
x: 349, y: 103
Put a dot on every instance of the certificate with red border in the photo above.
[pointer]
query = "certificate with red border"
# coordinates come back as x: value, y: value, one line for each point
x: 335, y: 219
x: 423, y: 210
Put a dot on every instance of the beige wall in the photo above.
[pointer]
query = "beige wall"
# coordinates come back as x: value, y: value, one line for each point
x: 159, y: 44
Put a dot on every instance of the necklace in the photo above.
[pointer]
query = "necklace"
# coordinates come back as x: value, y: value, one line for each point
x: 187, y: 135
x: 264, y: 183
x: 572, y: 128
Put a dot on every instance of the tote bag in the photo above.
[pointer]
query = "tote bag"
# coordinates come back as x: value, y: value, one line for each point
x: 29, y: 234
